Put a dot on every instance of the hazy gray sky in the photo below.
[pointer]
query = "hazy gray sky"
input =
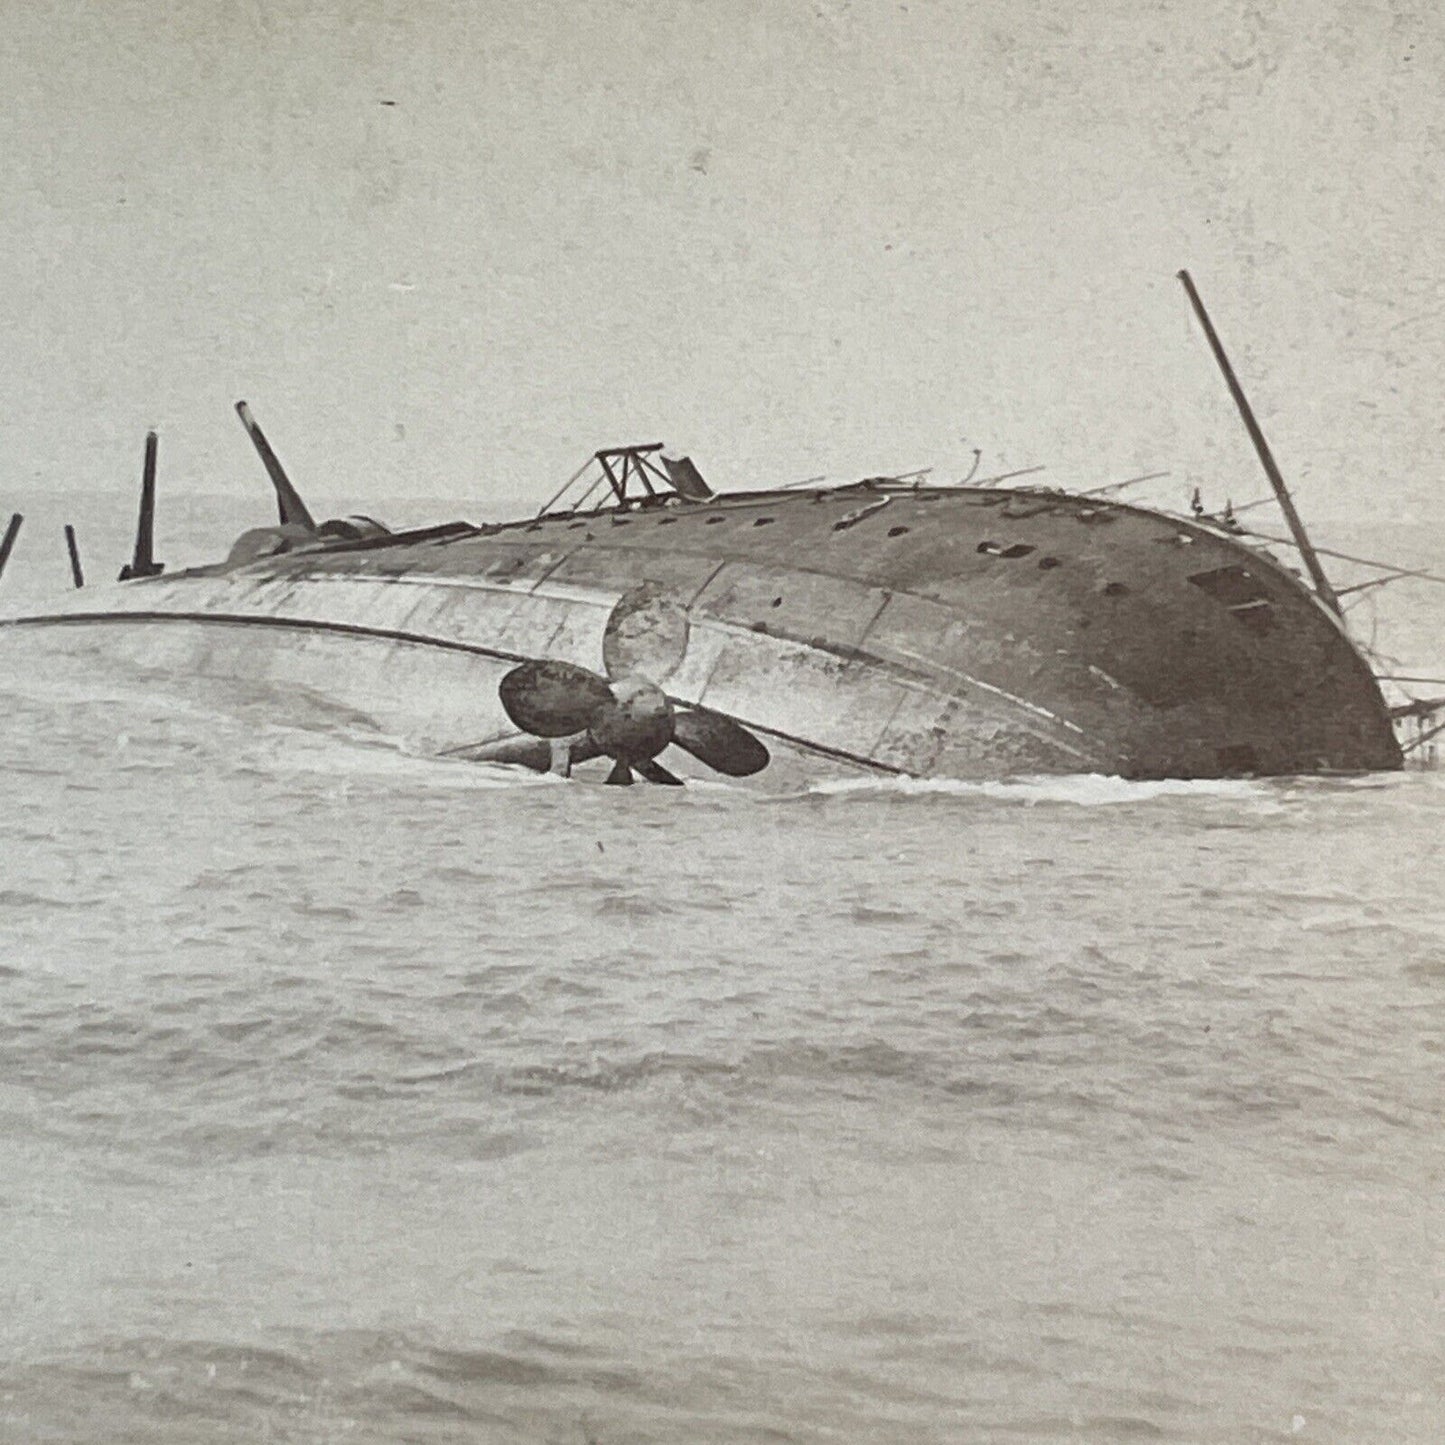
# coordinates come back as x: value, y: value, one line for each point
x: 793, y: 238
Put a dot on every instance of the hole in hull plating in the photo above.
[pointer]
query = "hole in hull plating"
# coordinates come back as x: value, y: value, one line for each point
x: 851, y: 519
x: 1241, y: 593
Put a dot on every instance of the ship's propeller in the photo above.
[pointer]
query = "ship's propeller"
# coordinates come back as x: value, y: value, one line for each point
x: 625, y: 716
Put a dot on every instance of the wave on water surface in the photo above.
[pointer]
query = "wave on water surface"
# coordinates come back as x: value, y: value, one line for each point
x: 1081, y: 789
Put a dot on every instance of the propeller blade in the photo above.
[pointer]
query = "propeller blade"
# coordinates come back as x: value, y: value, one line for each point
x: 646, y: 633
x: 552, y: 699
x: 725, y: 746
x: 620, y: 776
x: 654, y: 772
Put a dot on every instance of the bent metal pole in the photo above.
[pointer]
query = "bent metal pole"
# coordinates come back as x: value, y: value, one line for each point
x: 8, y: 543
x: 76, y: 574
x: 1266, y: 457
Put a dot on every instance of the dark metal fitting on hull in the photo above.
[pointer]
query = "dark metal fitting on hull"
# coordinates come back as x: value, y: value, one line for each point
x: 143, y: 562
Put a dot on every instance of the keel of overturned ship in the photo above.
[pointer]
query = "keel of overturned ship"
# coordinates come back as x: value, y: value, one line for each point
x: 971, y: 632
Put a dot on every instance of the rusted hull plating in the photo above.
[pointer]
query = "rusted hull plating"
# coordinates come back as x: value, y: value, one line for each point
x: 965, y: 633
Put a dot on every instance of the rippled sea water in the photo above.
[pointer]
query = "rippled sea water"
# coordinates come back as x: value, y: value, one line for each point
x: 349, y: 1095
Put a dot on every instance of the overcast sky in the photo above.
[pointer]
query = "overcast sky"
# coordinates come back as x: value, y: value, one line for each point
x: 450, y: 248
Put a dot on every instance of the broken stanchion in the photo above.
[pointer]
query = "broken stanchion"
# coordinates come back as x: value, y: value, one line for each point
x: 8, y: 544
x: 76, y: 574
x: 143, y: 562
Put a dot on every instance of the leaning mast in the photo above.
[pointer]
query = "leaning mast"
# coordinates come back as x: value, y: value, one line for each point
x: 1326, y: 592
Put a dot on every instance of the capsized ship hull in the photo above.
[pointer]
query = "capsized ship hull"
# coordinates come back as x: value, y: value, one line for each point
x: 971, y: 633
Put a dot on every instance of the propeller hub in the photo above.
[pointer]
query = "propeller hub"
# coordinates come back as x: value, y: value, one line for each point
x: 638, y: 723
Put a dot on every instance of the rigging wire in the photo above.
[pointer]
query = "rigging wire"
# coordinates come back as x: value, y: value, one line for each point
x: 565, y: 487
x: 596, y: 482
x: 1006, y: 476
x: 1119, y: 486
x: 1391, y: 567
